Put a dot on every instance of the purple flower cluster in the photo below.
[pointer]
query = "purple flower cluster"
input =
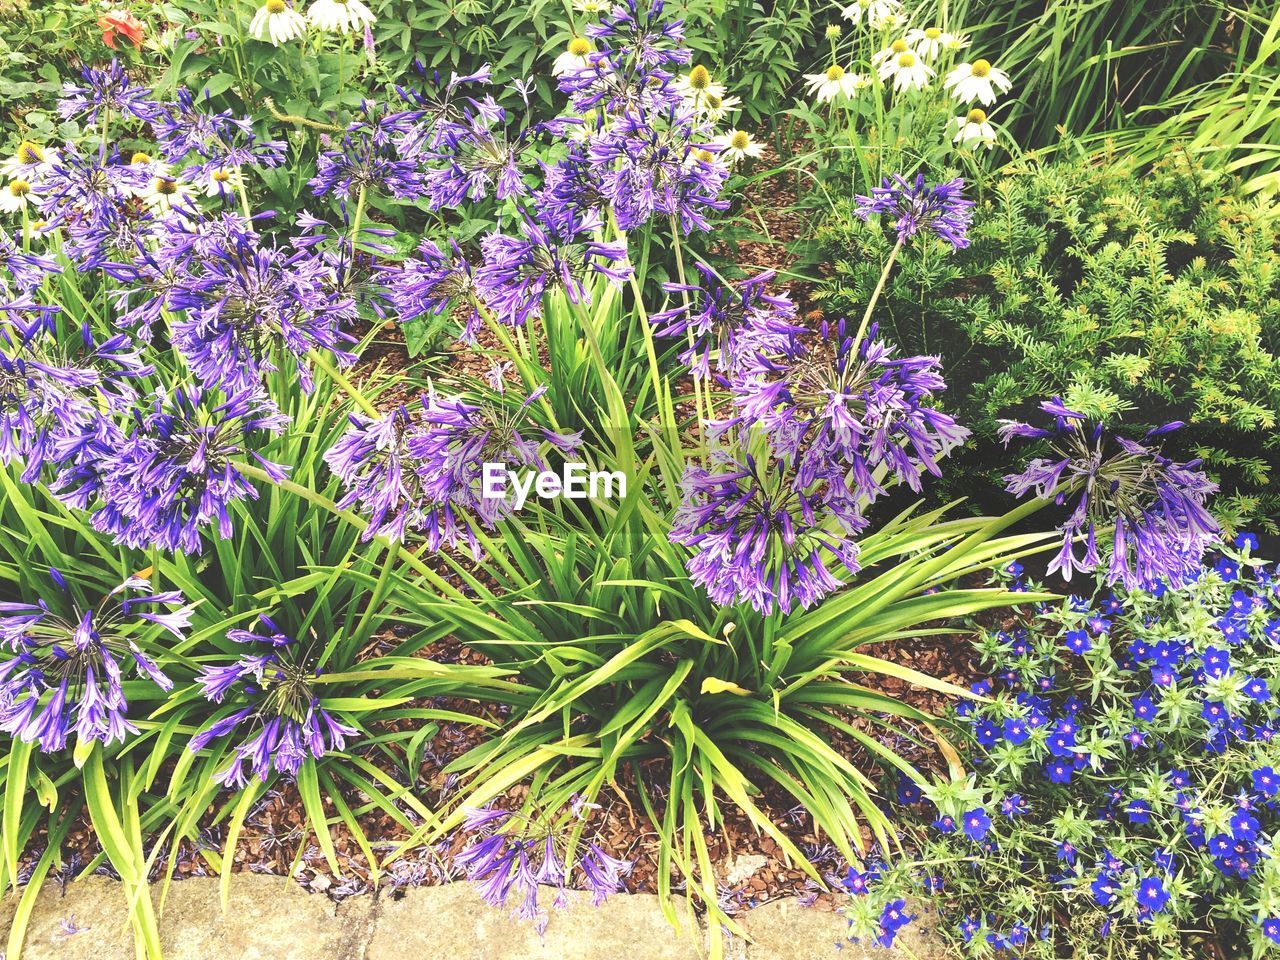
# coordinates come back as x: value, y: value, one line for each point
x: 62, y: 667
x: 631, y: 151
x: 274, y: 713
x: 843, y: 420
x: 1154, y: 506
x: 425, y: 475
x: 509, y: 856
x: 917, y: 206
x: 159, y: 465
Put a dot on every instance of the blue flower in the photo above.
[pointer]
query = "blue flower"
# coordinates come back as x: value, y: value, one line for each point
x: 1151, y: 894
x: 1144, y: 708
x: 940, y: 209
x: 1265, y: 781
x: 976, y: 824
x: 1256, y: 688
x: 1015, y: 731
x: 1271, y: 929
x: 1058, y: 771
x: 1078, y: 642
x: 859, y: 883
x: 1246, y: 541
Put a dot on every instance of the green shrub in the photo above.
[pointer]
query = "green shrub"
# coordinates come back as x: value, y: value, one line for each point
x: 1143, y: 299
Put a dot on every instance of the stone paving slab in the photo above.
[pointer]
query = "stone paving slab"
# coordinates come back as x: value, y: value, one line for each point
x: 272, y: 918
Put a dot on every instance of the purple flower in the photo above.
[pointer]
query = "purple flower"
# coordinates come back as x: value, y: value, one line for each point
x: 438, y: 284
x: 366, y: 159
x: 1156, y: 507
x: 106, y: 91
x: 730, y: 322
x: 177, y: 472
x: 78, y: 656
x: 189, y: 130
x: 248, y: 302
x: 940, y: 209
x: 518, y: 271
x: 756, y: 540
x: 427, y: 475
x: 508, y: 856
x: 279, y: 721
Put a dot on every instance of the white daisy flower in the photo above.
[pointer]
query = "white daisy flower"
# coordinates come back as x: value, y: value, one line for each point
x: 30, y: 161
x: 737, y: 145
x: 17, y: 194
x: 873, y: 11
x: 340, y: 16
x: 974, y: 128
x: 889, y: 22
x: 276, y: 22
x: 573, y: 59
x: 977, y: 81
x: 165, y: 193
x: 954, y: 41
x: 908, y: 71
x: 221, y: 182
x: 698, y: 83
x: 931, y: 41
x: 895, y: 49
x: 835, y: 82
x: 591, y: 6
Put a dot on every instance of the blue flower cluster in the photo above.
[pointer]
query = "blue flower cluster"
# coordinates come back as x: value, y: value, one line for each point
x: 1125, y: 755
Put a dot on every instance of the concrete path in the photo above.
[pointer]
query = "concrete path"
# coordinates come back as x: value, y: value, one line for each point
x: 271, y: 918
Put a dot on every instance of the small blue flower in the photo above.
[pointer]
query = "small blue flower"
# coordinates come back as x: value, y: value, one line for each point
x: 1151, y: 894
x: 1015, y: 731
x: 976, y: 824
x: 1271, y: 929
x: 1078, y: 642
x: 1265, y: 781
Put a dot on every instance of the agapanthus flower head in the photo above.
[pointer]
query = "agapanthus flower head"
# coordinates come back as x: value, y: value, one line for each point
x: 654, y: 165
x: 731, y: 323
x: 189, y: 129
x: 87, y: 193
x: 106, y: 91
x: 55, y: 386
x: 20, y: 271
x: 437, y: 283
x: 366, y: 159
x: 248, y: 302
x: 915, y: 206
x: 851, y: 413
x: 758, y: 539
x: 62, y: 665
x: 424, y: 474
x: 176, y: 474
x: 277, y: 716
x: 508, y: 856
x: 475, y: 160
x: 519, y: 270
x: 637, y: 50
x: 1155, y: 506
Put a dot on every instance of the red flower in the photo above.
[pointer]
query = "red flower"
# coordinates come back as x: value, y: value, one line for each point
x: 120, y: 23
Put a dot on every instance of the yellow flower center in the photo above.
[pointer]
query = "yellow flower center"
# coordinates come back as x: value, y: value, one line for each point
x: 29, y: 152
x: 275, y: 6
x: 977, y: 116
x: 712, y: 101
x: 579, y: 47
x: 980, y: 68
x: 835, y: 72
x: 166, y: 187
x: 833, y: 31
x: 740, y: 140
x: 699, y: 78
x: 899, y: 46
x: 221, y: 176
x: 933, y: 33
x: 706, y: 156
x: 907, y: 60
x: 19, y: 188
x: 140, y: 158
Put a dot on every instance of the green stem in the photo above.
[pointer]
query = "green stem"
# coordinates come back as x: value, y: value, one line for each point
x: 322, y: 361
x: 875, y: 294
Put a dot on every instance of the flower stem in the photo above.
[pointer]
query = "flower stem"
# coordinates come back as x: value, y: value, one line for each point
x: 322, y: 361
x: 875, y: 294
